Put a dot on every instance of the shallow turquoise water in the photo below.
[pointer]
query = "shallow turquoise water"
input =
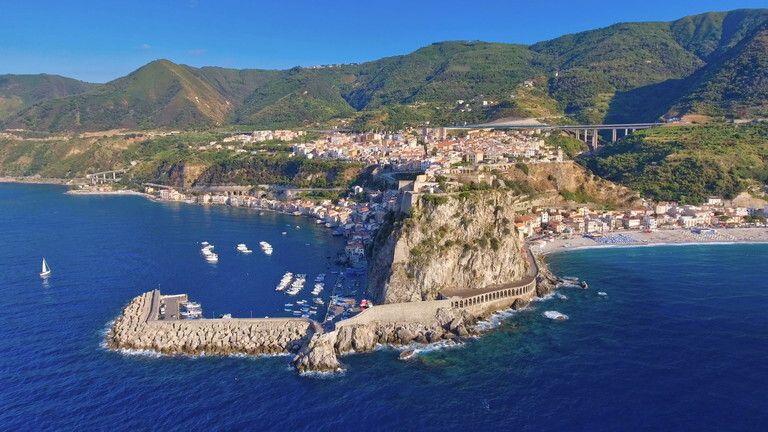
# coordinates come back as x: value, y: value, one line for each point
x: 679, y: 342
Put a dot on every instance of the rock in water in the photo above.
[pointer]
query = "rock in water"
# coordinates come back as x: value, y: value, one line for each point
x: 319, y: 355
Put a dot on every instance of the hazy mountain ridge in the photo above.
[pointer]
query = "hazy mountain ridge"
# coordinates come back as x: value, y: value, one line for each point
x: 624, y: 72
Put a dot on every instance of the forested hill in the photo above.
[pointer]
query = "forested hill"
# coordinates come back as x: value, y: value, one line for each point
x: 711, y: 64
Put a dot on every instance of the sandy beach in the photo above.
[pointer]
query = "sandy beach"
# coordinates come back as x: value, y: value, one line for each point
x: 656, y: 238
x: 35, y: 180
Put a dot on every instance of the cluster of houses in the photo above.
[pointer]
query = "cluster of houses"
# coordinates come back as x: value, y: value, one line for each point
x: 663, y: 215
x: 433, y: 148
x: 266, y: 135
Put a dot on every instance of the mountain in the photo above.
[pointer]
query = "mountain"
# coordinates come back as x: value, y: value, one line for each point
x: 711, y: 64
x: 20, y: 91
x: 159, y: 94
x: 734, y: 85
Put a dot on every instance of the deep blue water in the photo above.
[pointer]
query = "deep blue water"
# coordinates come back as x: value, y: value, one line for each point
x: 679, y: 343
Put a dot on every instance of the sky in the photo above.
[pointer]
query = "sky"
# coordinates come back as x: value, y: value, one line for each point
x: 98, y: 41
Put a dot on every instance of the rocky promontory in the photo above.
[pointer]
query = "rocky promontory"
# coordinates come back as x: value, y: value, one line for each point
x: 448, y: 242
x: 365, y: 333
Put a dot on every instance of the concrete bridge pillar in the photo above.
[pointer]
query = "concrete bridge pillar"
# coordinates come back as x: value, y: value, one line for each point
x: 613, y: 135
x: 594, y: 139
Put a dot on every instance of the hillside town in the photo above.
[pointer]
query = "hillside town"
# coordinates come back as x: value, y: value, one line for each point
x: 422, y: 149
x: 442, y: 163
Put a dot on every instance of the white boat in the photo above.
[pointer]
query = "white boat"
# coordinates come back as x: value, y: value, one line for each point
x: 212, y: 258
x: 266, y: 247
x: 45, y: 271
x: 286, y: 279
x: 297, y: 285
x: 318, y: 301
x: 318, y: 289
x: 242, y: 248
x: 205, y: 243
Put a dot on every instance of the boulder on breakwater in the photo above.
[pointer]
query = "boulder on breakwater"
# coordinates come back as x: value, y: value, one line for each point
x: 355, y: 336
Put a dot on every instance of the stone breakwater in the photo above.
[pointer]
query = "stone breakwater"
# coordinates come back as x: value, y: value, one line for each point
x: 395, y: 324
x: 363, y: 334
x: 136, y: 328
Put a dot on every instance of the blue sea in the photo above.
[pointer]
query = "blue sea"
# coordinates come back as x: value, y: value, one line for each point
x: 679, y: 342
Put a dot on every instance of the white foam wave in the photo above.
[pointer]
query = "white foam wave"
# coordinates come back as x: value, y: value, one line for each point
x: 555, y: 315
x: 496, y: 319
x: 323, y: 374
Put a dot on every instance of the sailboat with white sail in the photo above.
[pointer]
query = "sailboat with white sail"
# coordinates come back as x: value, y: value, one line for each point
x: 46, y: 271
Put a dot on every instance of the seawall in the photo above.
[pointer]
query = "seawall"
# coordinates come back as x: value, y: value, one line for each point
x: 138, y: 328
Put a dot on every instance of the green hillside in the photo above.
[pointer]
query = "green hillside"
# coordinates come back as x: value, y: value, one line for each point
x: 734, y: 85
x: 712, y: 64
x: 20, y: 91
x: 157, y: 95
x: 688, y: 163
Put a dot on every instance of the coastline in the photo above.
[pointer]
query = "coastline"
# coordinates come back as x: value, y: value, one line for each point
x: 676, y: 237
x: 35, y: 180
x: 113, y: 192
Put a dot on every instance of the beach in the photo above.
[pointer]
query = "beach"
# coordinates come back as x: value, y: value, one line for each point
x: 35, y: 180
x: 654, y: 238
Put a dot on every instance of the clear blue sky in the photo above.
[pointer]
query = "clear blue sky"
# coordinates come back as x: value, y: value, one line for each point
x: 100, y: 40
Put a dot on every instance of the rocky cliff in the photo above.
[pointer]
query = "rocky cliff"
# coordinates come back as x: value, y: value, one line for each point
x: 448, y: 243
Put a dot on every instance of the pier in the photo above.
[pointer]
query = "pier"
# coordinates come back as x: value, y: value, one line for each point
x: 141, y: 327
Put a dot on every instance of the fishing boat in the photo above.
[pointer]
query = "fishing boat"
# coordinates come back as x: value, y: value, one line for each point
x: 318, y: 301
x: 45, y: 271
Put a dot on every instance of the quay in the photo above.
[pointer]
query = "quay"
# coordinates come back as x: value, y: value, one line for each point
x: 152, y: 321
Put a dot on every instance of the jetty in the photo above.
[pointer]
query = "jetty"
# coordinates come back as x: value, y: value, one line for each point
x: 154, y: 322
x: 141, y: 326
